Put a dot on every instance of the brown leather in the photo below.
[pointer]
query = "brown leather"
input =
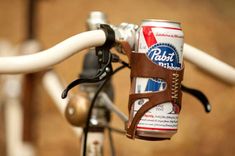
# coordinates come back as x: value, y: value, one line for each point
x: 150, y: 138
x: 154, y: 100
x: 141, y: 66
x: 125, y: 48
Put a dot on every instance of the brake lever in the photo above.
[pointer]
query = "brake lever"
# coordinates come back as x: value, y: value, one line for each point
x: 104, y: 59
x: 78, y: 82
x: 100, y: 76
x: 199, y: 95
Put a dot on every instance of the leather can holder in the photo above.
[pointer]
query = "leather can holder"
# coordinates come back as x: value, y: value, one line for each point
x: 142, y: 66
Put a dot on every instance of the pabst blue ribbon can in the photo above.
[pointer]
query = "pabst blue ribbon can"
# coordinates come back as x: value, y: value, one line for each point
x: 162, y: 42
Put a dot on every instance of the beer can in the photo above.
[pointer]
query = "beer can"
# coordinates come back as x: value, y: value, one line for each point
x: 162, y: 42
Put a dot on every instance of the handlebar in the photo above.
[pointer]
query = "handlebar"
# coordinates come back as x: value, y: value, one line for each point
x: 74, y: 44
x: 210, y: 64
x: 56, y: 54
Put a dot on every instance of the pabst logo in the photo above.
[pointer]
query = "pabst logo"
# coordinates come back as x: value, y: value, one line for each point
x: 165, y: 55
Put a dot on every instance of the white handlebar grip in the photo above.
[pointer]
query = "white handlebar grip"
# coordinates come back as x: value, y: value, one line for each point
x: 56, y: 54
x: 210, y: 64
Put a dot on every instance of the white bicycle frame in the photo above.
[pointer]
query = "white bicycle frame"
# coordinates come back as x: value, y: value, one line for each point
x: 50, y: 57
x: 12, y: 88
x: 11, y: 97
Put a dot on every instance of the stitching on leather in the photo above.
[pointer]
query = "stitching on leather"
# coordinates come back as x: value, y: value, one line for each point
x: 175, y: 86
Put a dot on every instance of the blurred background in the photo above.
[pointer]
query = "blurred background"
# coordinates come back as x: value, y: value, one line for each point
x: 207, y: 24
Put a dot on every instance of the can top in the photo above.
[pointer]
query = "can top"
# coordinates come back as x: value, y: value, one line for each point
x: 159, y: 22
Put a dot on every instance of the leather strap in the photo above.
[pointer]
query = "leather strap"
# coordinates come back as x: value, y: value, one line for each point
x: 154, y: 99
x: 142, y: 66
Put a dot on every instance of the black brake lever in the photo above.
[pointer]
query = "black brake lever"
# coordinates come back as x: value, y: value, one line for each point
x: 78, y: 82
x: 199, y: 95
x: 100, y: 76
x: 104, y: 57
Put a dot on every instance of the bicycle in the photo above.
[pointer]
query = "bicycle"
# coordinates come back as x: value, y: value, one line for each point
x: 22, y: 69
